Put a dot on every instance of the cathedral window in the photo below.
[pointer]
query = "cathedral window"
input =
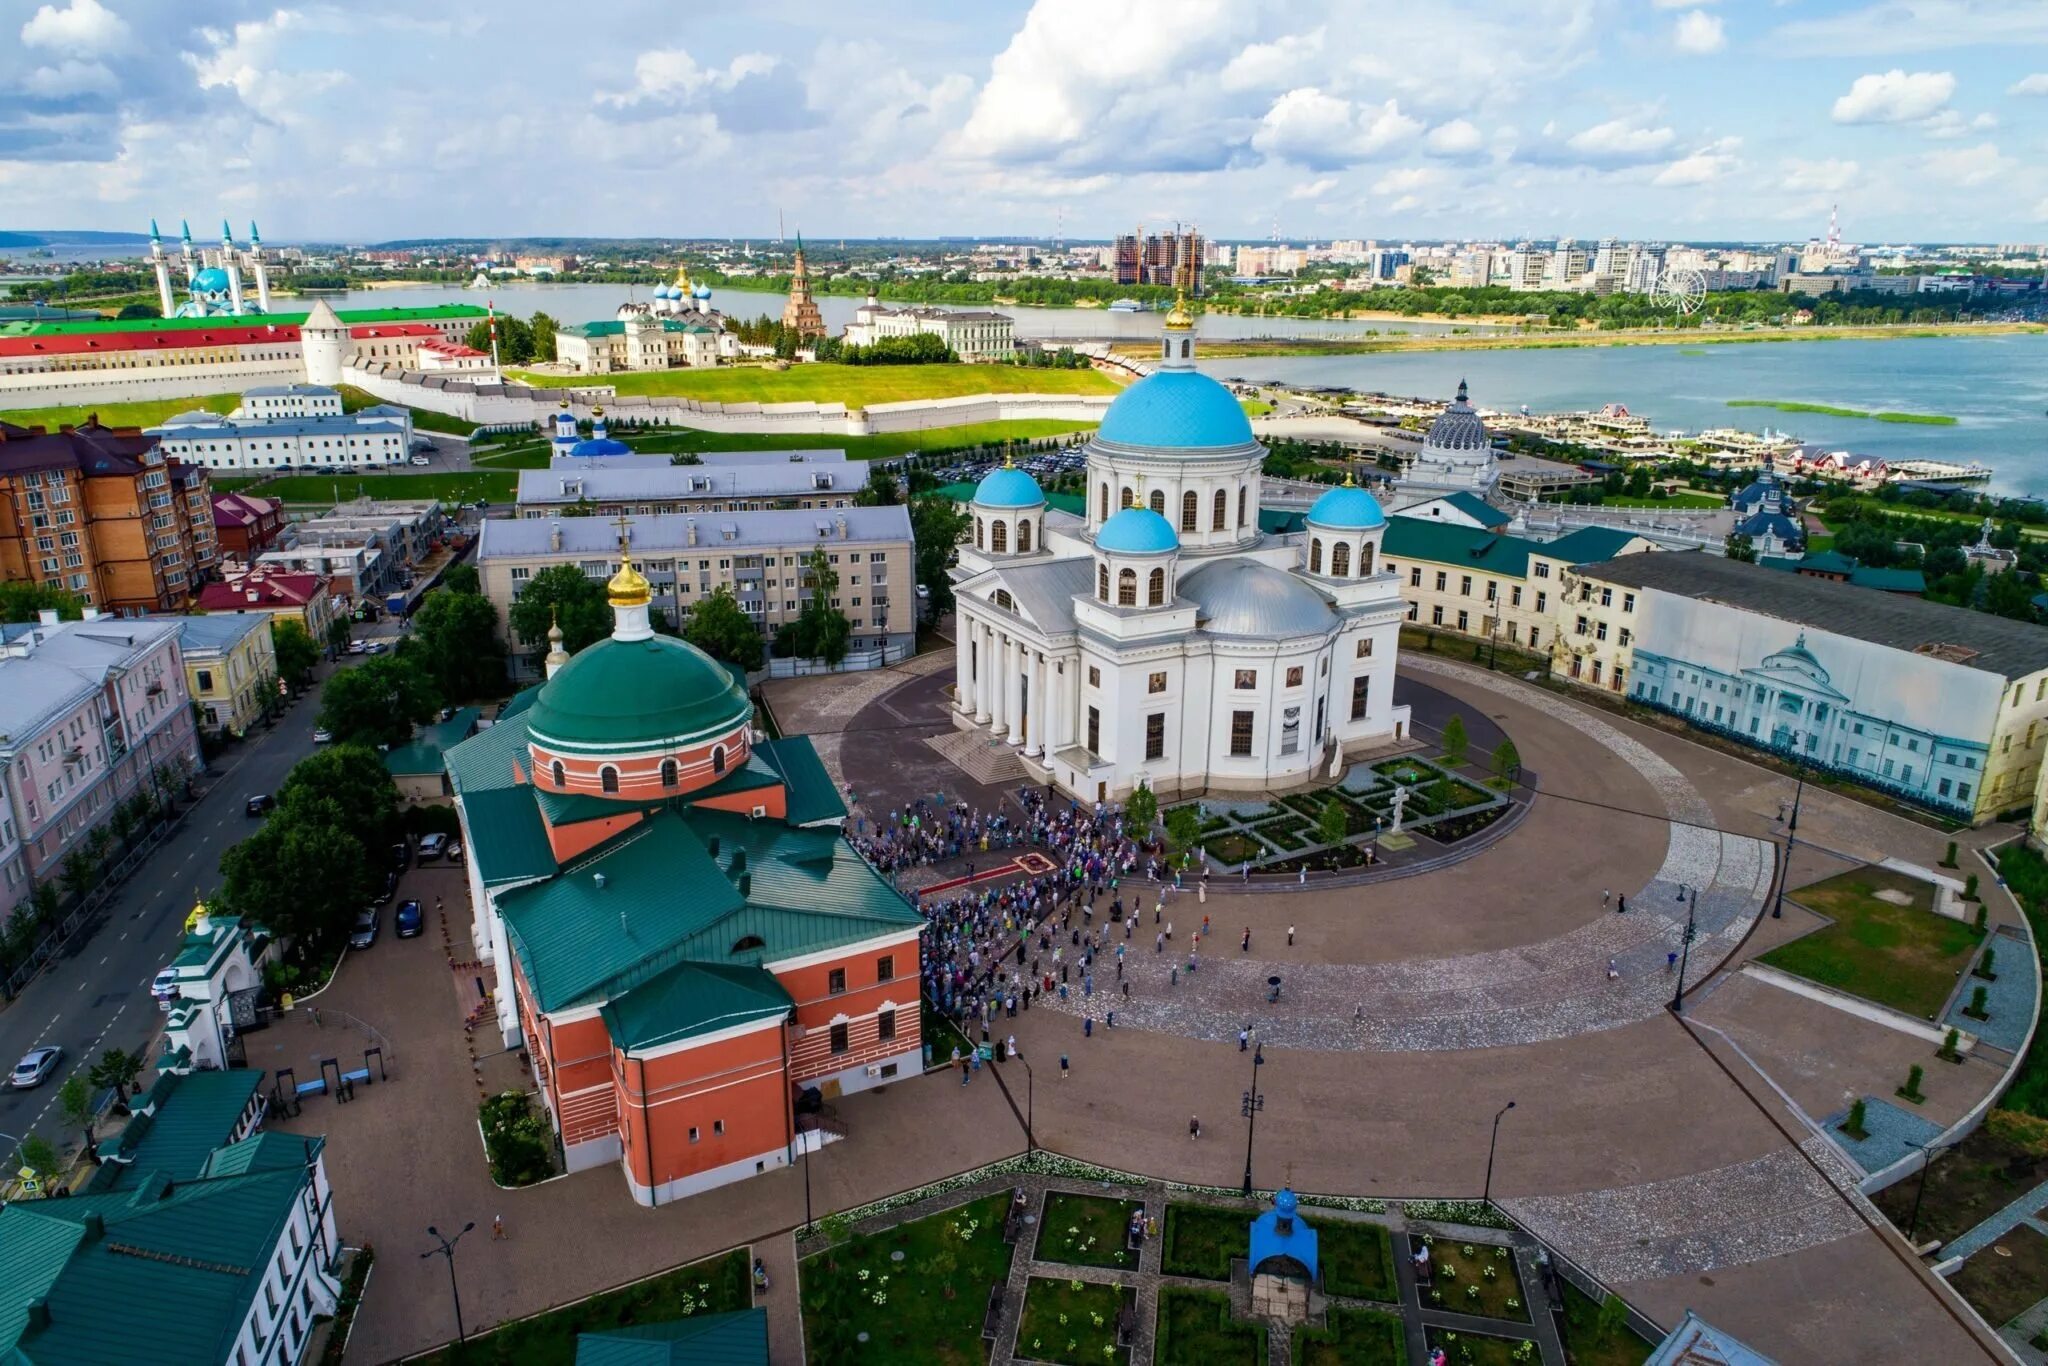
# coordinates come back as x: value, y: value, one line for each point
x: 1315, y: 555
x: 556, y: 772
x: 1361, y: 696
x: 718, y: 758
x: 978, y: 538
x: 668, y: 773
x: 1190, y: 510
x: 1127, y: 588
x: 608, y: 778
x: 1158, y: 501
x: 750, y: 942
x: 1365, y: 560
x: 1340, y: 559
x: 1102, y: 503
x: 1242, y: 495
x: 1155, y: 735
x: 1023, y: 535
x: 1128, y: 499
x: 1156, y: 593
x: 1219, y: 519
x: 1102, y: 582
x: 998, y: 537
x: 1240, y: 733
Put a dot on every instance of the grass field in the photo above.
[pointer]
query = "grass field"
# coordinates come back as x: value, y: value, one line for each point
x: 1358, y: 1259
x: 856, y: 386
x: 1676, y: 500
x: 1201, y: 1240
x: 1196, y: 1329
x: 1071, y: 1322
x: 527, y: 454
x: 1352, y: 1337
x: 925, y: 1308
x: 147, y: 414
x: 355, y: 400
x: 1886, y: 944
x: 1828, y: 410
x: 454, y: 486
x: 1587, y: 1344
x: 1087, y: 1230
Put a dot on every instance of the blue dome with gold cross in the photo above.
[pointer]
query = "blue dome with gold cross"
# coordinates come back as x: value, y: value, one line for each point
x: 1176, y: 410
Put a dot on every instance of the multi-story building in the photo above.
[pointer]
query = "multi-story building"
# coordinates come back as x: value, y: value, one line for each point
x: 270, y: 401
x: 275, y: 594
x: 371, y: 437
x: 1475, y: 581
x: 759, y: 556
x: 101, y: 513
x: 608, y: 490
x: 1173, y: 259
x: 972, y: 335
x: 230, y: 667
x: 1941, y: 706
x: 244, y: 525
x: 90, y: 711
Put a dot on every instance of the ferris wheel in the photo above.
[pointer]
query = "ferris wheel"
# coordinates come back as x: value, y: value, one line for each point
x: 1682, y: 288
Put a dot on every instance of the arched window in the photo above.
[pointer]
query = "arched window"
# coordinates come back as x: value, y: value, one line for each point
x: 1158, y: 501
x: 752, y: 941
x: 1128, y: 498
x: 998, y: 536
x: 1101, y: 588
x: 668, y: 773
x: 1219, y: 519
x: 977, y: 533
x: 1365, y: 560
x: 1102, y: 504
x: 1190, y: 509
x: 1315, y: 555
x: 1023, y: 535
x: 1004, y: 600
x: 1241, y: 505
x: 608, y: 777
x: 556, y: 771
x: 1156, y: 590
x: 1166, y: 349
x: 1187, y: 348
x: 1127, y: 588
x: 1340, y: 559
x: 718, y: 758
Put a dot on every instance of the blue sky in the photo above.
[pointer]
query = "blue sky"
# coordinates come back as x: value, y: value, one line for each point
x: 1684, y: 119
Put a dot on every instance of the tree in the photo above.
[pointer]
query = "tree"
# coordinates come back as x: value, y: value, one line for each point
x: 881, y: 489
x: 379, y: 701
x: 1455, y: 740
x: 337, y: 634
x: 1332, y: 825
x: 455, y: 639
x: 115, y: 1070
x: 1740, y: 547
x: 515, y: 340
x: 296, y: 652
x: 76, y: 1098
x: 1183, y: 827
x: 25, y: 601
x: 37, y: 1155
x: 346, y: 786
x: 937, y: 525
x: 579, y: 599
x: 305, y: 879
x: 1639, y: 481
x: 821, y: 630
x: 1507, y: 761
x: 1140, y: 810
x: 720, y: 629
x: 462, y: 578
x: 543, y: 329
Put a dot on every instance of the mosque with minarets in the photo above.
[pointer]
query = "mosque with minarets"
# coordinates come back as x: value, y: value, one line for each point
x: 213, y: 277
x: 1160, y: 637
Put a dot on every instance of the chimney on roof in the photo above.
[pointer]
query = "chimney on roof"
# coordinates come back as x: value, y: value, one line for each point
x: 840, y: 522
x: 739, y: 861
x: 47, y: 616
x: 746, y: 885
x: 38, y: 1314
x: 94, y: 1227
x: 90, y: 614
x: 598, y: 878
x: 555, y: 536
x: 692, y: 531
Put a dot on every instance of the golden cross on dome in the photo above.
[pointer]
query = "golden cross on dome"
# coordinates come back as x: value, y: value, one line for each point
x: 625, y: 534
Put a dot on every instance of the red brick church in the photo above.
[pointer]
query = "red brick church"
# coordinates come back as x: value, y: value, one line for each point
x: 684, y: 940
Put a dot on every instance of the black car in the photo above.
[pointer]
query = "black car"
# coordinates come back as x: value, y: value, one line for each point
x: 401, y: 856
x: 390, y: 889
x: 364, y: 933
x: 409, y: 921
x: 262, y: 804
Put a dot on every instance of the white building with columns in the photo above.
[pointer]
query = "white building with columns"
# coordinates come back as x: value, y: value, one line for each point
x: 1162, y: 638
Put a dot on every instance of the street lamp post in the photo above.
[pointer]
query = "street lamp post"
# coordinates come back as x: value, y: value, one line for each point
x: 1030, y: 1092
x: 1253, y: 1103
x: 1913, y: 1224
x: 1486, y: 1197
x: 447, y: 1249
x: 1791, y: 831
x: 807, y: 1189
x: 1685, y: 959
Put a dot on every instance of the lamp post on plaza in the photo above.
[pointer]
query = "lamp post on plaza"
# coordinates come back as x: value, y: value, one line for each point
x: 1791, y: 830
x: 1030, y: 1091
x: 1253, y: 1103
x: 1913, y: 1224
x: 1685, y: 959
x: 447, y: 1249
x: 1486, y: 1197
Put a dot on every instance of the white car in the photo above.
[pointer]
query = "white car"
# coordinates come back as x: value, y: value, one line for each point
x: 421, y: 460
x: 164, y: 986
x: 35, y: 1067
x: 322, y: 736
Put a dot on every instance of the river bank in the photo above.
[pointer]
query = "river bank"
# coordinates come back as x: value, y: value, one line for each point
x: 1221, y: 348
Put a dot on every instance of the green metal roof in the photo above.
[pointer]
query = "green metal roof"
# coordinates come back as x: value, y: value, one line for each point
x: 1418, y: 538
x: 268, y: 1151
x: 812, y: 795
x: 691, y: 999
x: 352, y: 316
x: 1280, y: 521
x: 1477, y: 508
x: 612, y: 327
x: 495, y: 757
x: 426, y: 756
x: 507, y: 840
x: 618, y: 694
x: 195, y: 1113
x: 1587, y: 543
x: 739, y: 1338
x: 521, y: 700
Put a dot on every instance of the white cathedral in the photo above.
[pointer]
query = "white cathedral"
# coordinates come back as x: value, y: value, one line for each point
x: 1162, y: 638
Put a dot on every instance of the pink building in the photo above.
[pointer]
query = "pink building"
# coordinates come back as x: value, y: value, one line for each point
x: 89, y: 710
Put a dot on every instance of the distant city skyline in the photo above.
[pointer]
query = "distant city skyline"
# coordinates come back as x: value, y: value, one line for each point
x: 1691, y: 120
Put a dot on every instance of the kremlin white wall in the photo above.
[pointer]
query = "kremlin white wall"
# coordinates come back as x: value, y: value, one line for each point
x: 54, y: 388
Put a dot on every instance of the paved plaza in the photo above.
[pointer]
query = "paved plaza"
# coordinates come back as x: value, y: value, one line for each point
x: 1676, y: 1160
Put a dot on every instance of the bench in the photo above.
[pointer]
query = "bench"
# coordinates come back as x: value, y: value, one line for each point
x: 311, y: 1088
x: 994, y: 1316
x: 361, y: 1074
x: 1126, y: 1327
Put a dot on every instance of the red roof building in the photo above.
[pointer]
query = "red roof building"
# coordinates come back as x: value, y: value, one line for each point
x: 245, y: 526
x: 303, y: 597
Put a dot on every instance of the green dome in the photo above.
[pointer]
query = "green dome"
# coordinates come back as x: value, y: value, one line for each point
x: 618, y: 696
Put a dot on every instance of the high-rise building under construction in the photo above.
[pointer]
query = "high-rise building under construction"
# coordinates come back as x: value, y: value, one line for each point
x: 1172, y: 259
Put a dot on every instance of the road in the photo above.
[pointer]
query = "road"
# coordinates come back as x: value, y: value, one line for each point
x: 99, y: 997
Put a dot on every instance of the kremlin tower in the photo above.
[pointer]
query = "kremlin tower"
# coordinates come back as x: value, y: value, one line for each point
x: 800, y: 314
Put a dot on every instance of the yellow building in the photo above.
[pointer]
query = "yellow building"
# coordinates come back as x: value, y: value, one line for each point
x: 230, y: 667
x: 1479, y: 582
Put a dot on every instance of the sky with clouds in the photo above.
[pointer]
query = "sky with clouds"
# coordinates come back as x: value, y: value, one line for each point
x: 1682, y: 119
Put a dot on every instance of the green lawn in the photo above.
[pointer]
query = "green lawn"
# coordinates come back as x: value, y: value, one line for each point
x: 528, y: 454
x: 1073, y: 1322
x: 1676, y: 500
x: 1358, y: 1259
x: 355, y: 400
x: 1201, y: 1240
x: 1585, y: 1344
x: 931, y: 1303
x: 1087, y: 1230
x: 146, y: 414
x: 1352, y: 1337
x: 1254, y: 407
x: 1462, y: 1266
x: 1900, y: 955
x: 856, y: 386
x: 450, y: 486
x: 1195, y: 1329
x: 714, y: 1286
x: 1480, y: 1349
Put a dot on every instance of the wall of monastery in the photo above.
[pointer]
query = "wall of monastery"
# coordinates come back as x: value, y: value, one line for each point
x: 143, y: 384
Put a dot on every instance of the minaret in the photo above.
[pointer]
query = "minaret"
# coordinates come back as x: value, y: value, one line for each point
x: 557, y: 656
x: 800, y: 315
x: 1177, y: 347
x: 262, y: 271
x: 629, y: 593
x: 162, y: 267
x: 232, y: 266
x: 185, y: 246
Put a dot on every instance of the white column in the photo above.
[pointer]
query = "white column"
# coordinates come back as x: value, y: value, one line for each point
x: 981, y: 674
x: 1014, y: 685
x: 1035, y: 669
x: 963, y: 683
x: 999, y: 688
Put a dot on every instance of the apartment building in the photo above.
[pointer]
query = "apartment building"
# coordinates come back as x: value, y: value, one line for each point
x: 102, y: 513
x: 608, y: 491
x: 973, y: 335
x: 1478, y: 582
x: 758, y: 555
x: 244, y: 526
x: 370, y: 438
x: 230, y: 668
x: 89, y: 711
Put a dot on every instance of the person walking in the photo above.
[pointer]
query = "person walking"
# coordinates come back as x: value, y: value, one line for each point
x: 1063, y: 1067
x: 1621, y: 904
x: 1244, y: 1038
x: 1303, y: 879
x: 1194, y: 1127
x: 1613, y: 971
x: 1159, y: 943
x: 1290, y: 936
x: 497, y: 1228
x: 1245, y: 944
x: 1087, y: 1026
x: 1605, y: 897
x: 1671, y: 962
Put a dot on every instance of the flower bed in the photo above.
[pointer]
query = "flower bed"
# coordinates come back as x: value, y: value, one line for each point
x: 1291, y: 833
x: 1358, y: 1259
x: 1451, y: 829
x: 1322, y: 860
x: 1477, y: 1213
x: 1592, y: 1338
x: 1406, y: 772
x: 1195, y: 1329
x: 1201, y: 1240
x: 926, y: 1307
x: 1086, y: 1230
x: 1482, y: 1349
x: 1352, y: 1337
x: 716, y: 1285
x: 1475, y: 1278
x: 517, y: 1139
x: 1073, y: 1322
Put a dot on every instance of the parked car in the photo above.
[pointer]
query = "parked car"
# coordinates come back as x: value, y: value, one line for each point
x: 401, y: 856
x: 390, y: 889
x: 164, y: 987
x: 454, y: 851
x: 260, y: 804
x: 356, y: 647
x: 432, y: 847
x: 421, y: 460
x: 376, y: 647
x: 410, y: 921
x: 365, y: 932
x: 35, y: 1067
x: 322, y: 735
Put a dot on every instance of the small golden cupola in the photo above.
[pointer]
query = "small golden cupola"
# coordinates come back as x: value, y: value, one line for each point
x: 1178, y: 319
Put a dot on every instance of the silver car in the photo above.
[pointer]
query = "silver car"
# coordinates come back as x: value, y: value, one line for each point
x: 35, y: 1067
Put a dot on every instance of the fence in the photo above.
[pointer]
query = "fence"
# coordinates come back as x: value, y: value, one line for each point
x: 80, y: 918
x: 854, y: 662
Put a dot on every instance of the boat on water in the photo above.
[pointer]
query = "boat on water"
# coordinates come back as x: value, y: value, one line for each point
x: 1127, y: 306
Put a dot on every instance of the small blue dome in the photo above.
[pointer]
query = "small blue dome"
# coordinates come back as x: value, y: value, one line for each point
x: 595, y: 445
x: 701, y: 292
x: 1137, y: 531
x: 1348, y: 509
x: 1176, y: 409
x: 212, y: 280
x: 1008, y: 487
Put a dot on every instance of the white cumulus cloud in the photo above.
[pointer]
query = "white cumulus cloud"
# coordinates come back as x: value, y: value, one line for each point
x: 1620, y: 141
x: 83, y: 26
x: 1274, y: 65
x: 1895, y: 96
x: 1457, y: 138
x: 1314, y: 189
x: 1977, y: 165
x: 673, y: 74
x: 1703, y: 167
x: 1325, y: 131
x: 1699, y: 33
x: 2036, y: 84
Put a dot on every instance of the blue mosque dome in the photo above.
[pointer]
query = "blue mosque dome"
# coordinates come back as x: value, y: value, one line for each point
x: 1349, y: 508
x: 1008, y: 487
x: 1137, y: 531
x: 600, y: 445
x: 1177, y: 409
x: 212, y: 280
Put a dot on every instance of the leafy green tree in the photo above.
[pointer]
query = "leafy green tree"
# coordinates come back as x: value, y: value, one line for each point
x: 561, y: 588
x: 338, y: 634
x: 379, y: 701
x: 720, y: 629
x: 1506, y: 760
x: 821, y: 630
x: 1183, y: 827
x: 937, y: 524
x: 1740, y: 547
x: 462, y: 578
x: 76, y: 1098
x: 24, y: 601
x: 37, y: 1154
x: 81, y: 872
x: 543, y: 329
x: 296, y: 652
x: 43, y: 905
x: 304, y: 879
x: 455, y: 638
x: 1141, y: 808
x: 1639, y: 481
x: 1332, y: 825
x: 115, y: 1070
x: 515, y: 340
x: 1455, y: 740
x: 881, y: 490
x: 346, y: 786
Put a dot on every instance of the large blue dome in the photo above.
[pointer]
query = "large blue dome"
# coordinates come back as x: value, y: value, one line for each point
x: 1348, y: 509
x: 212, y: 280
x: 1008, y: 487
x: 1176, y: 409
x: 600, y: 445
x: 1137, y: 531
